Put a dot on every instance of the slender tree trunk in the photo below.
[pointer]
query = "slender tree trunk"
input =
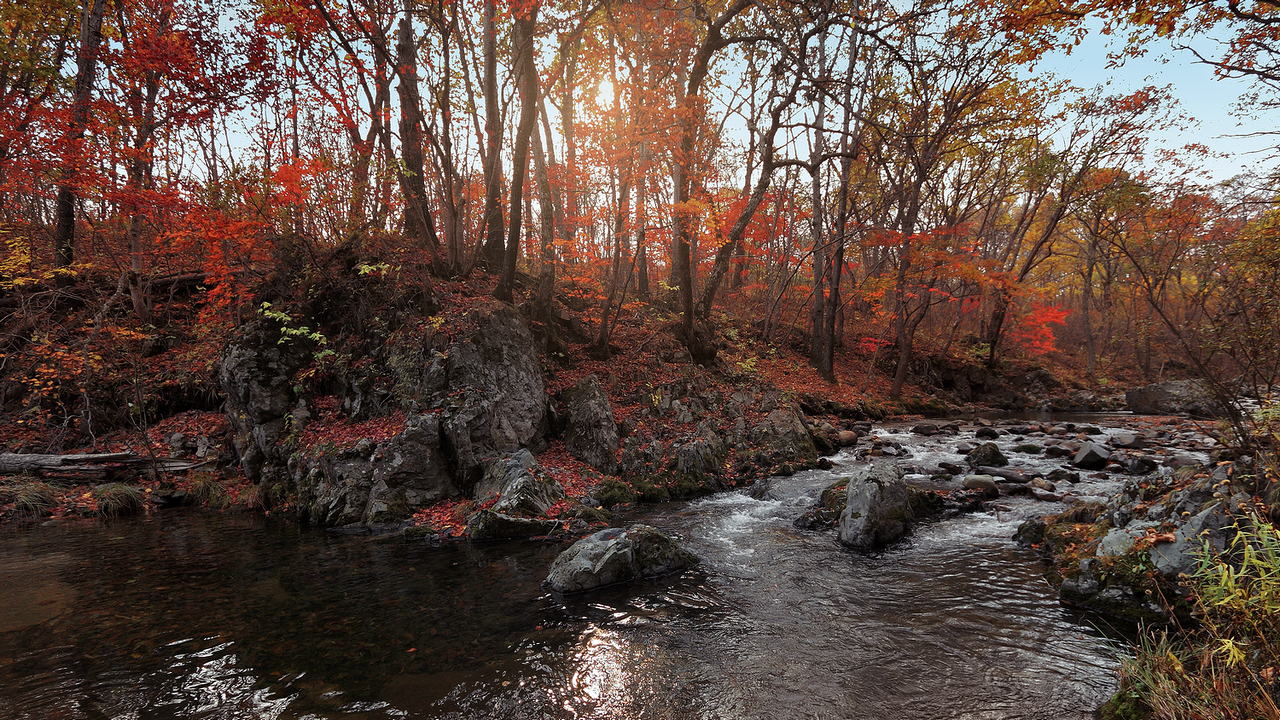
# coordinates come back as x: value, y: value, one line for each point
x: 546, y: 215
x: 1086, y: 315
x: 86, y: 70
x: 527, y: 79
x: 492, y: 253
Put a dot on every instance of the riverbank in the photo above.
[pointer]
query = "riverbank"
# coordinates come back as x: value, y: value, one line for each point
x: 955, y: 618
x: 774, y: 621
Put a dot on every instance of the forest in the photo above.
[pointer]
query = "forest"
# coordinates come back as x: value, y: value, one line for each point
x: 467, y: 280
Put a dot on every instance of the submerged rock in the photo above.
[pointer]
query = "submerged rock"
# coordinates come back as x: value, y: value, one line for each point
x: 877, y: 509
x: 615, y: 555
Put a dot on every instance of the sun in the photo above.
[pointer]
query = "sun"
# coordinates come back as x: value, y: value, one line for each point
x: 604, y: 93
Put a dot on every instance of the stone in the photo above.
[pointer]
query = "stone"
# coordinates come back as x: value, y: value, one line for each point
x: 1091, y: 456
x: 987, y: 454
x: 925, y: 429
x: 982, y: 483
x: 846, y: 438
x: 951, y: 468
x: 1139, y: 465
x: 1181, y: 557
x: 877, y: 509
x: 490, y: 525
x: 1182, y: 460
x: 591, y: 433
x: 617, y: 555
x: 523, y: 489
x: 1041, y: 484
x: 1030, y: 532
x: 1128, y: 440
x: 1062, y: 475
x: 987, y: 433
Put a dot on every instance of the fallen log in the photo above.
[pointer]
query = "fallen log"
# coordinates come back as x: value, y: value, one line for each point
x: 90, y: 467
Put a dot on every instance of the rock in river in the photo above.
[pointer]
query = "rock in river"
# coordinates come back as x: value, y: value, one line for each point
x: 1091, y: 456
x: 616, y: 555
x: 877, y: 508
x: 988, y: 454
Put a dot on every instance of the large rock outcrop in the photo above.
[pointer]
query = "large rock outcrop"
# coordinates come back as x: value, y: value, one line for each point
x: 521, y: 494
x: 375, y: 483
x: 1174, y: 397
x: 257, y: 375
x: 478, y: 397
x: 694, y: 433
x: 878, y: 508
x: 615, y: 555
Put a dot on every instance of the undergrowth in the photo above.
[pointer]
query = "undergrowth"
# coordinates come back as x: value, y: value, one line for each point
x: 1226, y: 667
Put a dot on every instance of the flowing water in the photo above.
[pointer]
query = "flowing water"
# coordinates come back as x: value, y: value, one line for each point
x: 196, y: 615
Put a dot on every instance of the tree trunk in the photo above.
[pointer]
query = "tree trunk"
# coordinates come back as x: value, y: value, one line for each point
x: 418, y: 224
x: 492, y: 252
x: 86, y: 70
x: 527, y: 80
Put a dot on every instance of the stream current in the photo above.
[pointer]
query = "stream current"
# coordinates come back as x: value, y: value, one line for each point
x: 188, y: 614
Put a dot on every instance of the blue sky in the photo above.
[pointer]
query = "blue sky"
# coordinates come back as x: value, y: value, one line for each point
x: 1204, y: 97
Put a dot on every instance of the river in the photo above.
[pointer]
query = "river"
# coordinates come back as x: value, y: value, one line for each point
x: 191, y: 614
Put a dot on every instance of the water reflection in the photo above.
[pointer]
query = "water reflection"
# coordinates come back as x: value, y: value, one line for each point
x: 186, y: 615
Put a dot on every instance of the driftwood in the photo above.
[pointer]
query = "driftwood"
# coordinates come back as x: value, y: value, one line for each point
x: 92, y: 467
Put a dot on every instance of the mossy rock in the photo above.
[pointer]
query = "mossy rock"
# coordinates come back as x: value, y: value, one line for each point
x: 925, y: 503
x: 591, y: 514
x: 1124, y: 705
x: 927, y: 406
x: 612, y: 491
x: 651, y: 492
x: 833, y: 496
x: 1084, y: 512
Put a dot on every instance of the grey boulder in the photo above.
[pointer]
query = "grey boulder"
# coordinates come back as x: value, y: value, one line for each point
x: 1091, y: 456
x: 877, y: 509
x: 617, y: 555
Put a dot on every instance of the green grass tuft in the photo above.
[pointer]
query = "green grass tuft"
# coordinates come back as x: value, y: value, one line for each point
x: 30, y: 498
x: 116, y: 499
